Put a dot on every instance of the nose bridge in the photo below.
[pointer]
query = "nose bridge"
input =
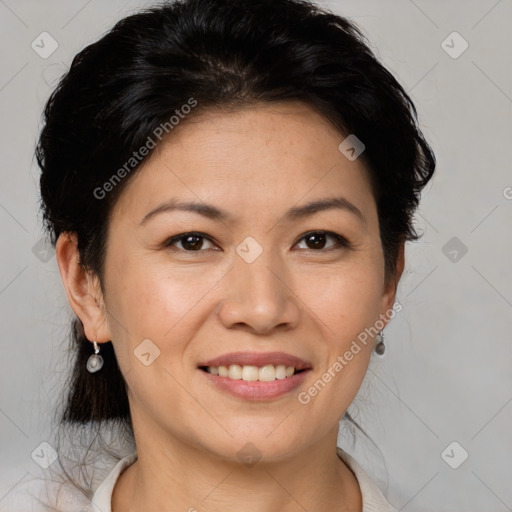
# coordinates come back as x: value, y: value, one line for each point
x: 258, y: 268
x: 257, y: 293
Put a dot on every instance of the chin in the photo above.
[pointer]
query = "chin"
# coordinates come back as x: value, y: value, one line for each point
x: 252, y: 444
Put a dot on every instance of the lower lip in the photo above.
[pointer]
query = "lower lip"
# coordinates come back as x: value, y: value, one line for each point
x: 255, y: 389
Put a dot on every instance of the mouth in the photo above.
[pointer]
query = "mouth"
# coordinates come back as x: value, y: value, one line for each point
x: 255, y: 376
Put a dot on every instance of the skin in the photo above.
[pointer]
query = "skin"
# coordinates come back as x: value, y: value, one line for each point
x: 256, y: 163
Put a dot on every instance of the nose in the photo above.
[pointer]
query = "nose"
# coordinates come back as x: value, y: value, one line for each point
x: 258, y: 297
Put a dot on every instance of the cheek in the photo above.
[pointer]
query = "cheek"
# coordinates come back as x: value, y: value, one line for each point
x: 347, y: 299
x: 346, y: 308
x: 148, y: 303
x: 155, y: 302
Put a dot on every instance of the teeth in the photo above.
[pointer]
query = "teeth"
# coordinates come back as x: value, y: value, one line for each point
x: 235, y: 372
x: 250, y: 373
x: 265, y: 373
x: 280, y: 371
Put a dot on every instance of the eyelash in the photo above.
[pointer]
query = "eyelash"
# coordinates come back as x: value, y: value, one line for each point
x: 342, y: 242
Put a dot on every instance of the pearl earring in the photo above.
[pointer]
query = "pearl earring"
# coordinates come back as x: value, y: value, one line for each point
x: 95, y: 361
x: 380, y: 348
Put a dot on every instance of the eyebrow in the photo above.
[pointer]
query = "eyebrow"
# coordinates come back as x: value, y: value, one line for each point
x: 218, y: 214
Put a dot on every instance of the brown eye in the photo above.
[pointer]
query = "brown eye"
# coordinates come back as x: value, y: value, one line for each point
x: 317, y: 240
x: 189, y: 241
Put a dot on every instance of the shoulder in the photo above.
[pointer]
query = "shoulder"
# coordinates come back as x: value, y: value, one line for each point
x: 373, y: 499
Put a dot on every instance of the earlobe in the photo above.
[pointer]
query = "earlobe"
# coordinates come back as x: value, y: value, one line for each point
x: 82, y: 289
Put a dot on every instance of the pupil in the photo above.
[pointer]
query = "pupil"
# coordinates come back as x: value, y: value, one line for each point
x: 193, y: 245
x: 318, y: 244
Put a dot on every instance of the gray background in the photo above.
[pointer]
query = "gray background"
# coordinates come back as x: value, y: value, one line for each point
x: 446, y: 375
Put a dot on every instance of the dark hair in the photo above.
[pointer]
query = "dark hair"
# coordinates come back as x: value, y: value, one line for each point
x: 223, y: 54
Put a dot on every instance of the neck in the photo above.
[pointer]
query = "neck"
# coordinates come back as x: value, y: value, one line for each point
x: 181, y: 477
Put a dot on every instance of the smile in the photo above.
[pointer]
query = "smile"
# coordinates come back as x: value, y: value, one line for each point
x: 255, y: 375
x: 265, y: 373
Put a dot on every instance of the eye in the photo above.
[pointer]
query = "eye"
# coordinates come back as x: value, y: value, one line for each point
x: 317, y: 240
x: 190, y: 241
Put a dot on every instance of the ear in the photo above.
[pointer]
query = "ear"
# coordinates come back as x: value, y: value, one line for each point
x: 388, y: 297
x: 82, y: 289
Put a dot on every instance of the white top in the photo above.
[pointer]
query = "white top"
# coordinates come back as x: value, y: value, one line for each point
x: 373, y: 499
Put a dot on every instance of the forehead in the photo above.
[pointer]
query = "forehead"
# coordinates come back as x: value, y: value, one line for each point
x: 283, y: 153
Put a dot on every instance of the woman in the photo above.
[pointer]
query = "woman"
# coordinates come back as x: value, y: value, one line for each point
x: 229, y: 186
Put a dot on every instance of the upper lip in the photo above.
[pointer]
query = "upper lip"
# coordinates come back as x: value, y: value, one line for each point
x: 258, y: 359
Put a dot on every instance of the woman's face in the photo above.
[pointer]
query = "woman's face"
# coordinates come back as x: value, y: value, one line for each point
x: 251, y: 290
